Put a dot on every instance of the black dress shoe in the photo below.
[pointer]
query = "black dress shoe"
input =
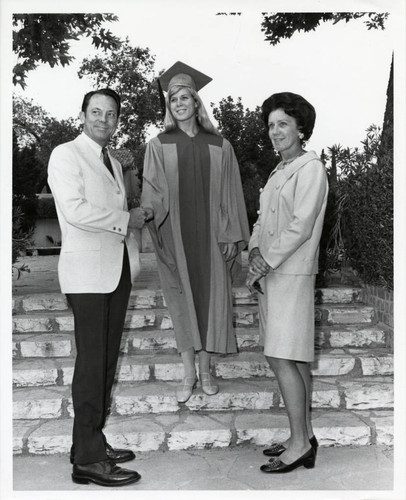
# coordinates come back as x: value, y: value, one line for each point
x: 104, y: 473
x: 118, y: 456
x: 277, y: 449
x: 276, y: 466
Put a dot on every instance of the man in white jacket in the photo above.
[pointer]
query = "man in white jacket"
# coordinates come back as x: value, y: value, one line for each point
x: 98, y: 263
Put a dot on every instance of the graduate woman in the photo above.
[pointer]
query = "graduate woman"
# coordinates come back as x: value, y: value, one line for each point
x: 193, y: 196
x: 284, y: 249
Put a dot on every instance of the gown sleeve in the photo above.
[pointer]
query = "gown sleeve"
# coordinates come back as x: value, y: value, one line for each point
x: 233, y: 227
x: 155, y: 192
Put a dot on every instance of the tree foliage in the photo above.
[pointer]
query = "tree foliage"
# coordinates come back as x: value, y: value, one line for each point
x: 362, y: 233
x: 29, y: 120
x: 55, y: 132
x: 44, y: 38
x: 20, y: 239
x: 39, y: 133
x: 246, y: 132
x: 26, y: 170
x: 283, y: 25
x: 130, y: 72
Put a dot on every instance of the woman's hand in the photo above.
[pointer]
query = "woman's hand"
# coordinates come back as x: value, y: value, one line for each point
x: 148, y: 213
x: 229, y: 250
x: 257, y: 264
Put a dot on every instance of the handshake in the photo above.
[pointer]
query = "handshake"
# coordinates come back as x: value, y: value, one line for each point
x: 139, y: 216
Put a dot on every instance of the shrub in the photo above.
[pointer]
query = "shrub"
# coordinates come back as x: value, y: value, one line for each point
x: 46, y: 208
x: 369, y: 220
x: 362, y: 233
x: 21, y: 238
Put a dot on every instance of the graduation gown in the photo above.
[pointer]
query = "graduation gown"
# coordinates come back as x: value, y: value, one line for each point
x: 193, y: 186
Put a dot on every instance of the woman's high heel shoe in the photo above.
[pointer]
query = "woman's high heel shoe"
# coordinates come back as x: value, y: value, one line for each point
x: 184, y: 391
x: 277, y: 449
x: 208, y: 387
x: 276, y: 466
x: 314, y: 443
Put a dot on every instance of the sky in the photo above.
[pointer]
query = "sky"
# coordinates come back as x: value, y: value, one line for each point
x: 341, y: 69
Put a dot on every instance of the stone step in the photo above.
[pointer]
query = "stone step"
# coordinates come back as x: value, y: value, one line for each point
x: 244, y: 316
x: 56, y: 345
x: 168, y: 367
x: 208, y: 430
x: 144, y: 299
x: 158, y: 397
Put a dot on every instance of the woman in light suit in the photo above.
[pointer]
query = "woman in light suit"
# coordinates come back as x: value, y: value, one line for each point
x: 283, y: 260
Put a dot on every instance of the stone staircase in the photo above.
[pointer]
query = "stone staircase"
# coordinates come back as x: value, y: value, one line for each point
x: 352, y: 379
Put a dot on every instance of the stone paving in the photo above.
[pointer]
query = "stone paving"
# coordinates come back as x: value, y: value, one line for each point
x: 358, y: 469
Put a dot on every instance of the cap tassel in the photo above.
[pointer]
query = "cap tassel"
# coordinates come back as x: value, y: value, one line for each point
x: 161, y: 98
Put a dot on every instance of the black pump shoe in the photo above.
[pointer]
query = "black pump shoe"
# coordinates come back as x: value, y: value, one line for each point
x: 314, y: 444
x: 277, y: 449
x: 276, y: 466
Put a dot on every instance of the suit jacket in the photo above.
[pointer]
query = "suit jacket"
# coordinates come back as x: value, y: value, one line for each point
x: 291, y: 216
x: 92, y: 212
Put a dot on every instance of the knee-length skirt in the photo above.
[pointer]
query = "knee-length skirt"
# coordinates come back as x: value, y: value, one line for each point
x: 286, y: 316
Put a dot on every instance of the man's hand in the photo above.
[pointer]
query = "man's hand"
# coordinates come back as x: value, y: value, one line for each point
x: 137, y: 218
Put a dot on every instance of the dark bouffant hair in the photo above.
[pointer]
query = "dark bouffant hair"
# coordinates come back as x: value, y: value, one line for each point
x: 293, y: 105
x: 108, y: 92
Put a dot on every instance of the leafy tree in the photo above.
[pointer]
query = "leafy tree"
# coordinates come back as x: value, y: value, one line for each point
x: 284, y: 25
x: 29, y: 120
x: 246, y: 132
x: 387, y: 128
x: 38, y: 132
x: 362, y: 233
x: 55, y: 132
x: 130, y: 72
x: 44, y: 38
x: 20, y: 239
x: 26, y: 170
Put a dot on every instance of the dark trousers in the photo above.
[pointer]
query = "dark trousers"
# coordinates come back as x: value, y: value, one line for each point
x: 99, y: 321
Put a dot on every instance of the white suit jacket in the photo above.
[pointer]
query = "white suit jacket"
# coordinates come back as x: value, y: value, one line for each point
x: 291, y: 217
x: 93, y: 216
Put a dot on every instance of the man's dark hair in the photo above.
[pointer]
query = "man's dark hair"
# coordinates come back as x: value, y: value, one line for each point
x: 108, y: 92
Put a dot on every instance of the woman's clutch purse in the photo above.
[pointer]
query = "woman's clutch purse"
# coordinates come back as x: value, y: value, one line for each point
x: 252, y: 283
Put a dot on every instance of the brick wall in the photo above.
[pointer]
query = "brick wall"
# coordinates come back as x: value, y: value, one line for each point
x: 382, y: 301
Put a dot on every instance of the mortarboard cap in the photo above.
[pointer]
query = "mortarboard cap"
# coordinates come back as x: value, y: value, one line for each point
x: 182, y: 74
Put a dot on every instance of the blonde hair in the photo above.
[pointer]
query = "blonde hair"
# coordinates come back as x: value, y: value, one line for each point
x: 201, y: 114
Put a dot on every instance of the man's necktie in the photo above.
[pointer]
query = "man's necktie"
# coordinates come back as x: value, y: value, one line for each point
x: 106, y: 160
